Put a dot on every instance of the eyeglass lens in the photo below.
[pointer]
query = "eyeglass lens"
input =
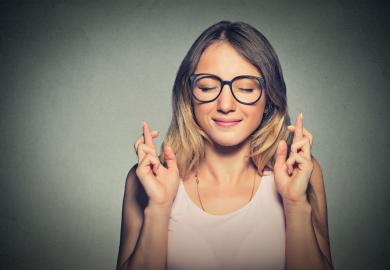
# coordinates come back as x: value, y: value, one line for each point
x: 244, y: 89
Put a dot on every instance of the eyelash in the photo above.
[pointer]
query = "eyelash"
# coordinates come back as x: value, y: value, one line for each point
x: 243, y: 89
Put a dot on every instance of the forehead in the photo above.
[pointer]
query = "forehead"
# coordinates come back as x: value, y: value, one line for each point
x: 223, y: 60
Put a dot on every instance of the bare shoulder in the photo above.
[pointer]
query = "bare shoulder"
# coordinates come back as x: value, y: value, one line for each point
x: 317, y: 179
x: 134, y: 191
x: 316, y: 165
x: 134, y: 202
x: 317, y: 199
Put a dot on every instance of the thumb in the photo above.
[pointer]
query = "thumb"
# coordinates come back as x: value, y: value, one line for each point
x: 170, y: 157
x: 281, y: 153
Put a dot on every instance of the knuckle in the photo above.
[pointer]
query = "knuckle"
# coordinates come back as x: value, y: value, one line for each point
x: 141, y: 146
x: 148, y: 149
x: 142, y: 161
x: 140, y: 139
x: 137, y: 143
x: 293, y: 145
x: 139, y: 149
x: 310, y: 164
x: 137, y: 171
x: 150, y: 157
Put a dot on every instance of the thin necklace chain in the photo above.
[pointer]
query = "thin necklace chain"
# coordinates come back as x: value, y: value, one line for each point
x: 197, y: 188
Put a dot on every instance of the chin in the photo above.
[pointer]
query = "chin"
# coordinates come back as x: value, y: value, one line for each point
x: 228, y: 142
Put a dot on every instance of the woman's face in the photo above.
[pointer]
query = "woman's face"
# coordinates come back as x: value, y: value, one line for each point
x: 223, y: 60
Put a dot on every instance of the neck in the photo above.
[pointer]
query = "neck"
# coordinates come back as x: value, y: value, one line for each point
x: 224, y: 165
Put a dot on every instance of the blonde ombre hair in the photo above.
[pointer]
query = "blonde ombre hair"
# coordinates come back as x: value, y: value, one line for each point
x: 186, y: 137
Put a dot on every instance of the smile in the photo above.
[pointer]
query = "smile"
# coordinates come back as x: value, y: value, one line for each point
x: 226, y: 123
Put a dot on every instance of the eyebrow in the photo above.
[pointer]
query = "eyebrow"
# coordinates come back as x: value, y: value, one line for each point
x: 258, y: 76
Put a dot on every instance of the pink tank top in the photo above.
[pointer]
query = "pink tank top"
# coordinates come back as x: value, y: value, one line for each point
x: 252, y: 237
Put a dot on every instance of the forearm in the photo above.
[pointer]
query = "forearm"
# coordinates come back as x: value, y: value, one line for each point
x: 302, y: 250
x: 151, y: 249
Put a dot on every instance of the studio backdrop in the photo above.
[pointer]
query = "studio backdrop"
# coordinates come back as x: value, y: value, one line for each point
x: 77, y: 79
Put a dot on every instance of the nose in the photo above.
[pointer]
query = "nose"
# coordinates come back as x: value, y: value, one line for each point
x: 226, y: 102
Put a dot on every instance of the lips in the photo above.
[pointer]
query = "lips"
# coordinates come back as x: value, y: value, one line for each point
x: 226, y: 122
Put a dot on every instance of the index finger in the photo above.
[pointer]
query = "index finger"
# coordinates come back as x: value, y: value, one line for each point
x: 147, y: 135
x: 298, y: 132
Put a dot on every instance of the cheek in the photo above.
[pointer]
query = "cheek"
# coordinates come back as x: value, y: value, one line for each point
x: 202, y: 111
x: 199, y: 115
x: 256, y: 113
x: 256, y: 116
x: 196, y: 113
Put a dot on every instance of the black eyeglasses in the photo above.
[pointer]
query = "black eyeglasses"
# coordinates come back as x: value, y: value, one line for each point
x: 246, y: 89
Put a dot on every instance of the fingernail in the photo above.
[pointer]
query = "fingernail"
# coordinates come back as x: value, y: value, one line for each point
x: 301, y: 115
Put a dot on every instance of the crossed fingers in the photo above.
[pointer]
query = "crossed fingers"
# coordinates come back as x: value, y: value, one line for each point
x: 302, y: 142
x: 144, y: 144
x: 303, y: 139
x: 305, y: 133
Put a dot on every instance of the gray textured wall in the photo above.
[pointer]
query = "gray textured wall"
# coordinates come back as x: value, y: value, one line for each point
x: 78, y: 77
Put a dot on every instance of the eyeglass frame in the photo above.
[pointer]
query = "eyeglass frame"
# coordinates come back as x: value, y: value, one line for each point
x: 261, y: 81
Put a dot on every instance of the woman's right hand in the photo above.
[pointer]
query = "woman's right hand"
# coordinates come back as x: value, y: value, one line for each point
x: 160, y: 183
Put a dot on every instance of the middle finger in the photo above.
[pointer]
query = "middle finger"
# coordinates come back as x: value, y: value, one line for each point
x: 147, y: 136
x: 302, y: 145
x: 305, y: 133
x: 298, y: 133
x: 141, y: 139
x: 144, y: 149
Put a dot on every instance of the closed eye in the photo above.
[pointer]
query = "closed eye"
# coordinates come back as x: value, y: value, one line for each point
x: 207, y: 89
x: 246, y: 90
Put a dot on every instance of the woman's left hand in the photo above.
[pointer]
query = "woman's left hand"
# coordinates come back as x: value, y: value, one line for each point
x: 292, y: 175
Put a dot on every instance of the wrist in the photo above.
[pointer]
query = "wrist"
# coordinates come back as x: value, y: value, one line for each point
x: 158, y: 208
x: 302, y: 205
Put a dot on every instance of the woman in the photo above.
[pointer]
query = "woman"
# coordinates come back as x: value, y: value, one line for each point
x: 231, y: 188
